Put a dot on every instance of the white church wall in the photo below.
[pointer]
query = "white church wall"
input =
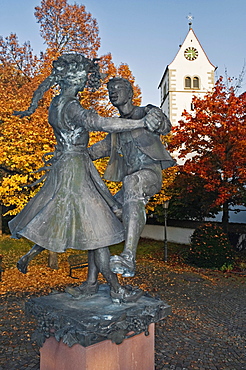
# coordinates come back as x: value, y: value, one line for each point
x: 178, y: 235
x: 200, y: 71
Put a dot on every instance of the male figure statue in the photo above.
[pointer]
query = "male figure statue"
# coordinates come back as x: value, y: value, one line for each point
x: 137, y: 158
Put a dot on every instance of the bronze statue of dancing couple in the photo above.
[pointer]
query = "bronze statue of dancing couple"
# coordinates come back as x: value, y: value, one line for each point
x: 74, y: 208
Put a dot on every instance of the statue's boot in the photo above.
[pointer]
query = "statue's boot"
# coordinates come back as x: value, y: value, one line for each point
x: 123, y: 265
x: 24, y: 261
x: 134, y: 219
x: 98, y: 261
x: 90, y: 286
x: 86, y: 289
x: 126, y: 294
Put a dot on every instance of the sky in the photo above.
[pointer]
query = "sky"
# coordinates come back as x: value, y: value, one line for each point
x: 146, y: 34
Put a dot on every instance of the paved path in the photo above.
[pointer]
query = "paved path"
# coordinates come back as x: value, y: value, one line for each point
x: 206, y: 331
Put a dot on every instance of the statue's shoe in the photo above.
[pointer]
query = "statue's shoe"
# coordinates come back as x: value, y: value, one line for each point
x: 123, y: 266
x: 22, y: 264
x: 84, y: 290
x: 126, y: 294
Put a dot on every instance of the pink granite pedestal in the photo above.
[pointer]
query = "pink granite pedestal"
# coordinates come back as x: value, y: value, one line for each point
x: 135, y: 353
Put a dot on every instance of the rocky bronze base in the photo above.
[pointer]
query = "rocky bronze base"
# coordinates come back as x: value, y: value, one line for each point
x: 93, y: 319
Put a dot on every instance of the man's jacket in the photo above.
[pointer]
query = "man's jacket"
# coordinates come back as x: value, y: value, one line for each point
x: 146, y: 141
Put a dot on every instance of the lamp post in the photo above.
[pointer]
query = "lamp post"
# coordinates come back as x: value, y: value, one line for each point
x: 165, y: 207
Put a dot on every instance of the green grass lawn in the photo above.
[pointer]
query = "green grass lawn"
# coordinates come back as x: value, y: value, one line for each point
x: 12, y: 250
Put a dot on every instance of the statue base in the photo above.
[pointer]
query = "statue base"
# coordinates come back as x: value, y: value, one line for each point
x: 136, y: 353
x: 93, y: 333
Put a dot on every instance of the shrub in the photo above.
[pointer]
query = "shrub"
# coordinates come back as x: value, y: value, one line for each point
x: 210, y: 247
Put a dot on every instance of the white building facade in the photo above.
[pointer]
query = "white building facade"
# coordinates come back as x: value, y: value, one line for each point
x: 190, y: 73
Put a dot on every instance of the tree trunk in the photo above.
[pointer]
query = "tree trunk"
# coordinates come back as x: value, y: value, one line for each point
x: 225, y: 216
x: 53, y: 260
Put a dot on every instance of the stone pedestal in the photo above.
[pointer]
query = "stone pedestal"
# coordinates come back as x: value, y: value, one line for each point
x: 136, y: 353
x: 95, y: 334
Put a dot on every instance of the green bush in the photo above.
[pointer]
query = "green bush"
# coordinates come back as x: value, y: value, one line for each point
x: 210, y: 247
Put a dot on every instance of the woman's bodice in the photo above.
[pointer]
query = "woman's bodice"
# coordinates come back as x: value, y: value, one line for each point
x: 70, y: 135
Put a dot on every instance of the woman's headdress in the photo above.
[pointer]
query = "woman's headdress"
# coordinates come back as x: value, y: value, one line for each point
x: 68, y: 65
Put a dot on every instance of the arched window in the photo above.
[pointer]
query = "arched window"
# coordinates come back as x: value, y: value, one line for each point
x: 196, y: 84
x: 188, y: 82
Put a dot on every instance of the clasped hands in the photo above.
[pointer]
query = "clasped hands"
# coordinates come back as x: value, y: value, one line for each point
x: 154, y: 119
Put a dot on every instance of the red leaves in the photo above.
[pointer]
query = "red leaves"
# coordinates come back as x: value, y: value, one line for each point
x: 215, y: 135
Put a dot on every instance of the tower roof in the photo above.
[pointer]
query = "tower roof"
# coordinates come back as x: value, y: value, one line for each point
x: 190, y: 39
x: 190, y: 42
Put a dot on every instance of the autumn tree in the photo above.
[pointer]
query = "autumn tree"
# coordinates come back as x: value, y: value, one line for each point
x: 212, y: 139
x: 24, y: 142
x: 65, y: 28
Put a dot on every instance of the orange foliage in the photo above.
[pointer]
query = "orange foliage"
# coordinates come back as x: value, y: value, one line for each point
x: 67, y: 28
x: 23, y: 142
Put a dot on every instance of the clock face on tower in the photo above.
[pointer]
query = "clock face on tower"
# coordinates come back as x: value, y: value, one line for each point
x: 191, y: 53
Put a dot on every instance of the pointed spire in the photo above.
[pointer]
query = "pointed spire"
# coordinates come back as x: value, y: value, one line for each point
x: 190, y: 19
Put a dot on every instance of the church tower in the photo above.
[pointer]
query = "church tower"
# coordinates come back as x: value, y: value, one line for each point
x: 190, y: 73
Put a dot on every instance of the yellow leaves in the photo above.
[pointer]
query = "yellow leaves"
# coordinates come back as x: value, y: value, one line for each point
x: 13, y: 193
x: 23, y: 142
x: 39, y: 275
x: 37, y: 278
x: 46, y: 147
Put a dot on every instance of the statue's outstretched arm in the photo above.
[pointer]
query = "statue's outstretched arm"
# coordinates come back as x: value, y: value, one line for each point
x: 114, y: 124
x: 37, y: 95
x: 100, y: 149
